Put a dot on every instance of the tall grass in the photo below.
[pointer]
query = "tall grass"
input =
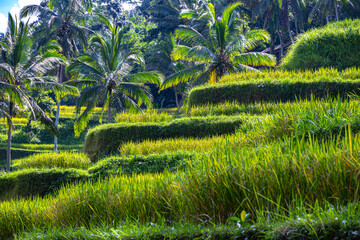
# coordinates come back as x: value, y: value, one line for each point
x: 271, y: 179
x: 151, y: 115
x: 282, y: 75
x: 171, y: 145
x: 53, y: 160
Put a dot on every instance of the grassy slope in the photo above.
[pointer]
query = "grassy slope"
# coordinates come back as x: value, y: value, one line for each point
x: 306, y: 150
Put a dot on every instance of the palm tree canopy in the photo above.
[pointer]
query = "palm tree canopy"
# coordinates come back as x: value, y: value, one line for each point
x: 63, y: 17
x: 108, y: 71
x: 222, y: 49
x: 21, y: 69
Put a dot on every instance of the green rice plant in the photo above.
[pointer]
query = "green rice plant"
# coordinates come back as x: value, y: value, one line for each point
x: 171, y: 145
x: 322, y: 119
x: 335, y: 45
x: 282, y: 75
x: 151, y: 115
x: 107, y: 139
x: 34, y: 182
x: 267, y: 180
x: 233, y: 108
x: 271, y: 91
x: 137, y: 164
x: 43, y: 147
x: 53, y: 160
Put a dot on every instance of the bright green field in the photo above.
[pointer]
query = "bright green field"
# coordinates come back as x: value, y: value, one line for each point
x: 292, y: 169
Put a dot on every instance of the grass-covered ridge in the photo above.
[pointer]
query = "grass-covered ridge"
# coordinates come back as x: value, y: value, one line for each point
x: 108, y: 139
x: 247, y: 87
x: 335, y: 45
x: 222, y: 185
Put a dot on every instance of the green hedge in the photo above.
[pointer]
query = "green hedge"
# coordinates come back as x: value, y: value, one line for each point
x: 335, y: 45
x: 107, y: 139
x: 33, y: 182
x: 140, y: 164
x: 270, y: 91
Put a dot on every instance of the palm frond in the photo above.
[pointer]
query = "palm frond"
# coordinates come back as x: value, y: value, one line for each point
x: 140, y: 93
x: 227, y: 17
x: 153, y: 77
x: 183, y: 76
x: 191, y: 36
x: 255, y: 59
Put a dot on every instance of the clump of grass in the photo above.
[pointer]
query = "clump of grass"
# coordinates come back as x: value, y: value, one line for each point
x: 322, y: 119
x: 231, y: 109
x: 287, y: 76
x: 335, y: 45
x: 151, y: 115
x: 170, y: 145
x: 138, y: 164
x: 53, y: 160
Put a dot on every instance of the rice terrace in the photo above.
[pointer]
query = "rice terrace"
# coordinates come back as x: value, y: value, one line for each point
x: 179, y: 119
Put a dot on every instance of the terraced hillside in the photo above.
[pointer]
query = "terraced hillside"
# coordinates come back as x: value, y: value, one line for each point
x: 273, y: 169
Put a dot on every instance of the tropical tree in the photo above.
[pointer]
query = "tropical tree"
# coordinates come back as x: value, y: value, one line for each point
x: 222, y: 49
x: 62, y: 21
x: 106, y: 69
x: 20, y: 69
x: 327, y: 8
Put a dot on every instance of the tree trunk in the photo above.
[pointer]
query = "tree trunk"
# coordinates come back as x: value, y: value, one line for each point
x: 57, y: 124
x: 289, y: 30
x: 61, y: 77
x: 109, y: 111
x: 8, y: 153
x: 296, y: 26
x: 176, y: 97
x: 281, y: 46
x: 327, y: 18
x: 336, y: 11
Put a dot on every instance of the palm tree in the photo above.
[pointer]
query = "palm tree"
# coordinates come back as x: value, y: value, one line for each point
x: 327, y: 7
x: 21, y: 70
x: 63, y: 26
x: 107, y: 70
x: 222, y: 49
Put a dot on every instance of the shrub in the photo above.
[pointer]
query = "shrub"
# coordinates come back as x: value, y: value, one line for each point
x: 140, y: 164
x: 108, y: 138
x: 53, y: 160
x: 336, y: 45
x: 33, y: 182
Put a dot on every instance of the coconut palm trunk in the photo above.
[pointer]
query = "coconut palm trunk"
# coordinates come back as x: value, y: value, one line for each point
x: 8, y: 153
x: 176, y: 97
x: 61, y: 77
x: 109, y: 113
x: 336, y: 11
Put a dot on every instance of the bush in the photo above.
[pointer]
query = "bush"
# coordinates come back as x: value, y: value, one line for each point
x: 53, y: 160
x: 275, y: 91
x: 108, y: 138
x: 335, y: 45
x: 140, y: 164
x: 33, y: 182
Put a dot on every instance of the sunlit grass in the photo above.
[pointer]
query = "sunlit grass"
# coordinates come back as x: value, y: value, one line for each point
x: 53, y: 160
x: 145, y: 116
x: 279, y: 75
